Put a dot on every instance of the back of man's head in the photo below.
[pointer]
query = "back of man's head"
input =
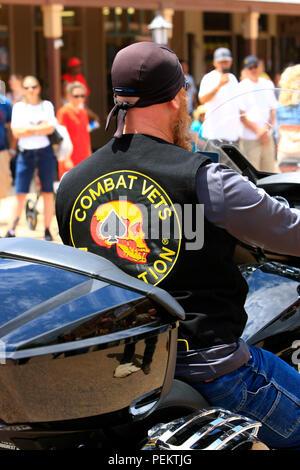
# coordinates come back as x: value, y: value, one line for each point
x: 146, y: 70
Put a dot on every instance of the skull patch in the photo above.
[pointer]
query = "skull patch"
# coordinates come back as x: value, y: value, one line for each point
x: 120, y: 224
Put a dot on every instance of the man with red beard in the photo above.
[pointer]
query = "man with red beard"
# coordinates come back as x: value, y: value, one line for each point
x: 125, y: 203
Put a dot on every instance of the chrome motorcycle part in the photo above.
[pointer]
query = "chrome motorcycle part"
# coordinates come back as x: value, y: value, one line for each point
x: 208, y: 429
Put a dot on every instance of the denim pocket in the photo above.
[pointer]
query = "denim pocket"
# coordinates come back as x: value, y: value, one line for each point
x: 272, y: 407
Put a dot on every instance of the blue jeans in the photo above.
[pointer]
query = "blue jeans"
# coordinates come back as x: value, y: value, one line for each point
x: 266, y: 389
x: 44, y: 160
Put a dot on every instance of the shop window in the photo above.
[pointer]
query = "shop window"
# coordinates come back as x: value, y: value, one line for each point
x: 3, y: 16
x: 122, y: 27
x: 70, y: 16
x: 263, y: 23
x: 126, y: 22
x: 38, y: 16
x: 210, y: 43
x: 72, y: 40
x: 4, y: 56
x: 213, y: 21
x: 4, y: 43
x: 289, y: 41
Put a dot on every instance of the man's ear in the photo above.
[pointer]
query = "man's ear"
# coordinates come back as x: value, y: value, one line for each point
x: 175, y: 102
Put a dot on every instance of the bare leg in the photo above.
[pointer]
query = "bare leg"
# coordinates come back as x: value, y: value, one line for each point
x: 48, y: 200
x: 17, y: 212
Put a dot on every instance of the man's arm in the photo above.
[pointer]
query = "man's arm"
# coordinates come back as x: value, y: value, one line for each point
x: 261, y: 132
x: 211, y: 94
x: 249, y: 214
x: 43, y: 128
x: 272, y: 120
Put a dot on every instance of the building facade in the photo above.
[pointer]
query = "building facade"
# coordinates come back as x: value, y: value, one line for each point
x: 37, y: 37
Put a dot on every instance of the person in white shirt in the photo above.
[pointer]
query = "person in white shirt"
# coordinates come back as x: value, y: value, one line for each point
x: 217, y: 91
x: 257, y: 103
x: 33, y: 120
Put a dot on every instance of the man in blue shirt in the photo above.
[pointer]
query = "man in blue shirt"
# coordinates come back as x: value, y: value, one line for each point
x: 5, y: 154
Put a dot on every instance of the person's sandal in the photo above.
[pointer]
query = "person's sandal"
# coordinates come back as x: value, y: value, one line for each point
x: 48, y: 236
x: 10, y: 234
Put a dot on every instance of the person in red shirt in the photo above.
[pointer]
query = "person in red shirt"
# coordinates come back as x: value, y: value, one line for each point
x: 74, y: 74
x: 74, y: 116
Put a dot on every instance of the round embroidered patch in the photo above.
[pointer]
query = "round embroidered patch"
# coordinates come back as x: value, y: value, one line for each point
x: 127, y: 217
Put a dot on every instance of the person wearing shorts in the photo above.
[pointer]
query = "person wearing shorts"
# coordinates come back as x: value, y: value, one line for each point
x: 32, y: 121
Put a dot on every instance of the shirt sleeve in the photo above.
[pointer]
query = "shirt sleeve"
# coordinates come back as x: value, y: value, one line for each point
x: 248, y: 213
x: 49, y: 108
x: 18, y: 116
x: 273, y: 101
x: 206, y: 85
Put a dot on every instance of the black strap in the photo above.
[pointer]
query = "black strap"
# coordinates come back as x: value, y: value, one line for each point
x: 119, y: 110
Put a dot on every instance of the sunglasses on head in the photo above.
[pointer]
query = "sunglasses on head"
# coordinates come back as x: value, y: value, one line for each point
x: 33, y: 87
x: 79, y: 96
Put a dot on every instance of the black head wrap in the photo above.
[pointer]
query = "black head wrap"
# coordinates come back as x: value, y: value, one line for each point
x: 146, y: 70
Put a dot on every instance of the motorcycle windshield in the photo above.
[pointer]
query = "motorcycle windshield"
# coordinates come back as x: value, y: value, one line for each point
x: 260, y: 120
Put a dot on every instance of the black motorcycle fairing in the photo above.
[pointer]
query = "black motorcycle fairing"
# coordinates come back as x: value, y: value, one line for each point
x: 74, y: 346
x: 108, y: 431
x: 281, y: 182
x: 273, y: 307
x: 69, y: 258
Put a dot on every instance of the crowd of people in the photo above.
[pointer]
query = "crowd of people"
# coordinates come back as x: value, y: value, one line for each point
x: 244, y: 111
x: 250, y: 112
x: 27, y: 128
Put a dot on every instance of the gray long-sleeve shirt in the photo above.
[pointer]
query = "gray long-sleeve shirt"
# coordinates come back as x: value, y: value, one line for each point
x: 248, y: 213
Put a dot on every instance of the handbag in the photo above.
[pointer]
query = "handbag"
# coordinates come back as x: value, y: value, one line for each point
x: 65, y: 148
x: 55, y: 138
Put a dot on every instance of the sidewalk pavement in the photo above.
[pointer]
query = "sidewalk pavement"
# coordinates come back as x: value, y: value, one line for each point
x: 23, y: 229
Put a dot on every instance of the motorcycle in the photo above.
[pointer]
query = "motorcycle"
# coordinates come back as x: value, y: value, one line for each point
x: 87, y: 352
x: 88, y: 356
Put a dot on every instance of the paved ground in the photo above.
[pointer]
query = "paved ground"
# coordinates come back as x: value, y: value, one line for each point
x: 23, y: 229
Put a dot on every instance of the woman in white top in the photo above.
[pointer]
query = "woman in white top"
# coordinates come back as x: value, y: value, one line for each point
x: 32, y: 121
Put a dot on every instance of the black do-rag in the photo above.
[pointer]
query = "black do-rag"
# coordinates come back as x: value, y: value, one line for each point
x: 146, y: 70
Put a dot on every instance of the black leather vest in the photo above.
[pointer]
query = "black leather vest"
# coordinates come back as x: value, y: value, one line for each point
x: 132, y: 202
